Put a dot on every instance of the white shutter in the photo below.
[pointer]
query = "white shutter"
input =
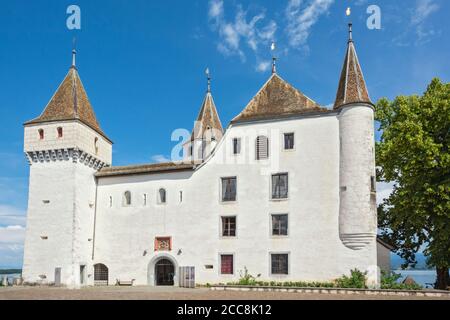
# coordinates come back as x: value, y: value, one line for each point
x: 262, y: 148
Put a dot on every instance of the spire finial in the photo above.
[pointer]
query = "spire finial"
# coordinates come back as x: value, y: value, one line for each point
x: 208, y: 77
x: 74, y: 53
x: 274, y: 58
x: 348, y: 12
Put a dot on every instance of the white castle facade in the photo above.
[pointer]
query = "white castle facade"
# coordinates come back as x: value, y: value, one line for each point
x: 287, y: 191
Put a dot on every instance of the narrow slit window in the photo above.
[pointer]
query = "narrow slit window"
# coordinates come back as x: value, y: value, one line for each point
x: 127, y: 198
x: 60, y: 132
x: 236, y: 146
x: 41, y: 134
x: 162, y: 194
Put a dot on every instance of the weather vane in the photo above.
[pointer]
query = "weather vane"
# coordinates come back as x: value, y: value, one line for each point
x: 74, y: 51
x: 274, y: 59
x: 348, y: 12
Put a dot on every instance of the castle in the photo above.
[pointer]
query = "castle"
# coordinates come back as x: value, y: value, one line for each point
x: 287, y: 191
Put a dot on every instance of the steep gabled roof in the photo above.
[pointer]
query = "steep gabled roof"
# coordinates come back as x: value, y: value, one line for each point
x: 277, y: 98
x: 352, y: 87
x: 207, y: 119
x: 70, y: 102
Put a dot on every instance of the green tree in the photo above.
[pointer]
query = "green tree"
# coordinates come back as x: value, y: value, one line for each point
x: 414, y: 154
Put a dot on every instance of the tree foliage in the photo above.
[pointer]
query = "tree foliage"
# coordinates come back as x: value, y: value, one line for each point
x: 413, y: 153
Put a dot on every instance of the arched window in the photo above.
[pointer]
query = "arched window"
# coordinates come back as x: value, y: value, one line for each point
x: 41, y: 134
x: 162, y: 196
x: 262, y: 147
x: 60, y: 132
x: 127, y: 198
x: 100, y: 275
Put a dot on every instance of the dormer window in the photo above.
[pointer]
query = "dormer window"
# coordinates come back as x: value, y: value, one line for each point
x: 60, y: 132
x: 41, y: 134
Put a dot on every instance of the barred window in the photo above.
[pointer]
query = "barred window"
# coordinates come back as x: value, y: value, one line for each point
x: 226, y: 264
x: 280, y: 186
x: 279, y: 264
x: 228, y: 226
x: 262, y: 148
x: 229, y: 189
x: 279, y: 224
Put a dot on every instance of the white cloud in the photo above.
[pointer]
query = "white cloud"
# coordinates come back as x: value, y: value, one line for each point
x: 159, y: 158
x: 10, y: 215
x: 251, y: 30
x: 384, y: 190
x: 301, y: 17
x: 263, y: 66
x: 12, y: 235
x: 422, y: 11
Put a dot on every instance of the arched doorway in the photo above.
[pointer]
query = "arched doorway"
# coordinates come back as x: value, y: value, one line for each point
x: 164, y: 273
x: 101, y: 275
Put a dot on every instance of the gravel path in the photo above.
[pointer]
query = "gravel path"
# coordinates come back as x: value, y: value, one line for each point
x: 170, y: 293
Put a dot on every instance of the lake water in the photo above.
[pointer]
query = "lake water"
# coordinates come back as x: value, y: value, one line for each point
x: 422, y: 277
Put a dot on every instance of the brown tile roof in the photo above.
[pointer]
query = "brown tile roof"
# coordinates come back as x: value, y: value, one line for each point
x: 70, y: 102
x: 208, y: 118
x: 277, y: 98
x: 144, y: 169
x: 352, y: 87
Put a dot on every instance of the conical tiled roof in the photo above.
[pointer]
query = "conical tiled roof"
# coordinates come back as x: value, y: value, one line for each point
x: 352, y: 87
x: 70, y: 102
x: 208, y: 118
x: 277, y: 98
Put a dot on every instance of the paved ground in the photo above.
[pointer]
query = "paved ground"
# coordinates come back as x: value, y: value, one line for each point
x: 170, y: 293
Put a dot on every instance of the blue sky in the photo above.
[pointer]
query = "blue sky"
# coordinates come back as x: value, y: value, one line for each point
x: 142, y: 63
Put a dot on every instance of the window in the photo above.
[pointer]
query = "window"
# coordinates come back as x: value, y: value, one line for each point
x: 279, y: 224
x: 100, y: 275
x: 127, y: 198
x: 181, y: 196
x: 228, y: 226
x: 262, y: 148
x: 236, y: 146
x: 41, y: 134
x: 280, y: 186
x: 279, y: 264
x: 373, y: 184
x: 226, y: 264
x: 288, y: 141
x: 60, y: 132
x: 110, y: 201
x: 229, y: 189
x: 145, y: 199
x: 162, y: 196
x: 96, y: 145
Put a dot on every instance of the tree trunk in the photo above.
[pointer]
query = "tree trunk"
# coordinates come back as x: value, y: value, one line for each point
x: 443, y: 279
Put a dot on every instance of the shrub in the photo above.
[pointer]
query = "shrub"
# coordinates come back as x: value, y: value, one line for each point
x: 356, y: 280
x: 389, y: 280
x: 246, y: 279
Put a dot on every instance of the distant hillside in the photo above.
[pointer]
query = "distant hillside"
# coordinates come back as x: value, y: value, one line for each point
x: 10, y: 271
x: 397, y: 261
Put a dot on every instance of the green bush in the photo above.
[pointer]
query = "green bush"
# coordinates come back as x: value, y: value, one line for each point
x: 246, y: 279
x: 389, y: 280
x: 357, y: 280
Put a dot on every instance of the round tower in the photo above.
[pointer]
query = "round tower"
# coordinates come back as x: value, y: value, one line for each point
x: 357, y: 209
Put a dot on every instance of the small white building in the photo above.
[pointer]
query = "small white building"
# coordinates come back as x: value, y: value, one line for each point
x: 287, y: 191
